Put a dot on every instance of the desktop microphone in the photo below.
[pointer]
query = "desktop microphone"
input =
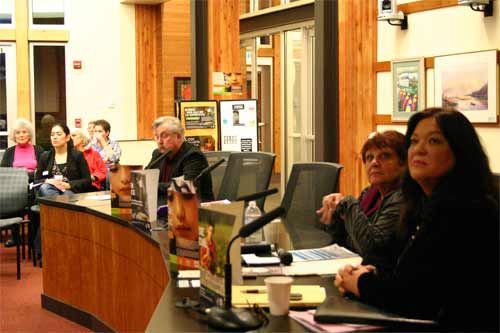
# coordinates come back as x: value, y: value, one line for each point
x: 154, y: 163
x: 208, y: 169
x: 257, y: 195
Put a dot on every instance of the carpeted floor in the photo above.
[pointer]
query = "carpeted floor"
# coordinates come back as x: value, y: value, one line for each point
x: 20, y: 306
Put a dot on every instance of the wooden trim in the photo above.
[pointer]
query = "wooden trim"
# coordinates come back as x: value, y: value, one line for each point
x: 386, y: 119
x: 48, y: 35
x: 498, y: 56
x: 265, y: 52
x: 385, y: 66
x: 8, y: 35
x: 22, y: 60
x: 425, y: 5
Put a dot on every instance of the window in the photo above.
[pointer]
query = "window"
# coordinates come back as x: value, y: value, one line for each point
x: 6, y: 13
x: 47, y: 12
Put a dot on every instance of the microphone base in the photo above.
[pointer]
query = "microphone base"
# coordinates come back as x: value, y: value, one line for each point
x: 233, y: 319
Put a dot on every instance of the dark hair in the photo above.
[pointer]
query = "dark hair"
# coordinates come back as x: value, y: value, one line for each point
x: 471, y: 173
x: 389, y: 139
x: 104, y: 124
x: 66, y: 131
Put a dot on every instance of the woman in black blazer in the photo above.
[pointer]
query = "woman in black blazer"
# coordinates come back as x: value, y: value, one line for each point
x: 64, y: 169
x: 447, y: 269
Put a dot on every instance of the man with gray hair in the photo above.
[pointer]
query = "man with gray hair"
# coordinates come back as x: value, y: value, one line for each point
x: 184, y: 159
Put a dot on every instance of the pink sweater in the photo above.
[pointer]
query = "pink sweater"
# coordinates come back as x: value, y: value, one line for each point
x: 24, y: 157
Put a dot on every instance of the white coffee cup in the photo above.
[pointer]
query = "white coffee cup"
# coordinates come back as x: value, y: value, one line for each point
x: 278, y: 293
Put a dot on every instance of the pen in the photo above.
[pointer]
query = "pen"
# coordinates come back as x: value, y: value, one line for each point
x: 254, y: 291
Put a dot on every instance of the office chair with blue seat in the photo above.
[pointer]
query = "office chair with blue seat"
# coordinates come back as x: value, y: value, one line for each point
x: 307, y: 185
x: 247, y: 173
x: 13, y: 202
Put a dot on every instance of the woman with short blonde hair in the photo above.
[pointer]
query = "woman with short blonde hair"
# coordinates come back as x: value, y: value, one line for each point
x: 96, y: 165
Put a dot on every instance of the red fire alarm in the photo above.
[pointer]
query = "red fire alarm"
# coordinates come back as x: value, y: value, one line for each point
x: 77, y: 64
x: 78, y: 122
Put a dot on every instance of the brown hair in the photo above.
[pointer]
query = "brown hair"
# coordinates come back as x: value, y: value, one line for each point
x: 104, y: 124
x: 389, y: 139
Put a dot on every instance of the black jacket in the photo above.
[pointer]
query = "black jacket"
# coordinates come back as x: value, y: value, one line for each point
x: 188, y: 162
x: 8, y: 157
x: 374, y: 237
x: 77, y: 170
x: 448, y: 270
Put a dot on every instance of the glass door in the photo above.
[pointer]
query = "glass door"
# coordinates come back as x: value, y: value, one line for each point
x: 48, y: 71
x: 298, y: 75
x: 8, y: 92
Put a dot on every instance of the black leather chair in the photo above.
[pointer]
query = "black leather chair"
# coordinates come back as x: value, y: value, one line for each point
x: 307, y: 185
x: 13, y: 202
x: 246, y: 173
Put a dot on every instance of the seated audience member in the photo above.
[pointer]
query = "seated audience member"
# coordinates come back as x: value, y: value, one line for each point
x: 448, y: 270
x: 23, y: 154
x: 367, y: 225
x: 43, y: 134
x: 184, y: 159
x: 96, y: 165
x: 90, y: 131
x: 108, y: 149
x: 64, y: 169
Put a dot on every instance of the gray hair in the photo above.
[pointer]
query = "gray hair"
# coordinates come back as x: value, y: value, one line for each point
x: 82, y: 135
x: 19, y: 124
x: 173, y: 124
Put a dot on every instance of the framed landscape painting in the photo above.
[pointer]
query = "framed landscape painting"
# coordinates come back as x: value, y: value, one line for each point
x: 408, y: 82
x: 468, y: 83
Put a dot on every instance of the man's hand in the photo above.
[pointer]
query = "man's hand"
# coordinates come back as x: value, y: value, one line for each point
x: 330, y: 203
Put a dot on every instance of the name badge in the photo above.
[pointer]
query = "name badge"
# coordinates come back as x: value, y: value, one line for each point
x: 45, y: 173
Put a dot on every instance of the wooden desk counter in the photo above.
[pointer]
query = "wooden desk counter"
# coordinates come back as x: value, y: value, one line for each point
x: 99, y: 270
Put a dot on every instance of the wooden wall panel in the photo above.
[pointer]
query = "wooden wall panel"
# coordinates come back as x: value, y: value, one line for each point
x: 357, y: 87
x: 176, y: 50
x: 223, y: 40
x: 101, y: 267
x: 148, y: 56
x: 277, y: 102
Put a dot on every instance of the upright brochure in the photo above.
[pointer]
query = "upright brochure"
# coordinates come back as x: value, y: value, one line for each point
x: 183, y: 205
x: 120, y: 180
x: 145, y: 194
x: 218, y: 223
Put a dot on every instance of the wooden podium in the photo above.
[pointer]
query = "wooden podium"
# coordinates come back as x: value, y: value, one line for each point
x: 98, y: 270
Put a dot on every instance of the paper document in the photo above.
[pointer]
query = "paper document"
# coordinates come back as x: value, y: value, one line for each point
x: 330, y: 252
x: 99, y: 197
x: 311, y: 295
x: 252, y: 260
x: 306, y: 318
x: 321, y: 267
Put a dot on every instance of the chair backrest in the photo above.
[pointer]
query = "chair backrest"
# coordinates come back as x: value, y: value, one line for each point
x: 13, y: 191
x: 218, y: 173
x: 307, y: 185
x: 247, y: 173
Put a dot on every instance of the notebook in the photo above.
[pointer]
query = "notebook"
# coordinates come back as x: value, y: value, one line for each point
x: 338, y: 309
x: 312, y: 295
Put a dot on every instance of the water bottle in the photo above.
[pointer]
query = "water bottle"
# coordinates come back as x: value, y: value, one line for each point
x: 251, y: 213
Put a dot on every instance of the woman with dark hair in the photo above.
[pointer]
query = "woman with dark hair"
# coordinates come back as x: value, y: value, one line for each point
x: 450, y: 224
x: 368, y: 225
x: 64, y: 169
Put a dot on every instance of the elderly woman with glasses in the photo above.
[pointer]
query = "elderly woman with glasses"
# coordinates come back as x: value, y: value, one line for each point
x: 23, y: 154
x: 367, y: 225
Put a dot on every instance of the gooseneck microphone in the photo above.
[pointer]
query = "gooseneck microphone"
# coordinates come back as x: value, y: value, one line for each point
x: 257, y: 195
x: 154, y: 164
x: 208, y: 169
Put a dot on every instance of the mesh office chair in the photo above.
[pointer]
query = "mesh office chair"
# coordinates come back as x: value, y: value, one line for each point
x: 247, y: 173
x: 218, y: 173
x: 13, y: 202
x: 307, y: 185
